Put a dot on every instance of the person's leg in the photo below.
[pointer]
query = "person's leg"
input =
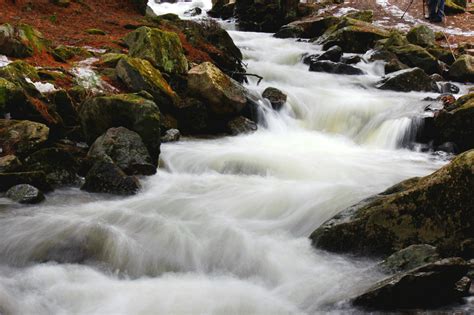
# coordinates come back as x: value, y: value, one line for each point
x: 432, y: 8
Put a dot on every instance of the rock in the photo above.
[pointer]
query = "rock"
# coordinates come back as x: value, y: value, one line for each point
x: 95, y: 31
x: 421, y: 35
x: 11, y: 95
x: 392, y: 63
x: 59, y: 166
x: 193, y: 116
x: 110, y: 60
x: 241, y: 125
x: 365, y: 15
x: 463, y: 286
x: 22, y: 137
x: 106, y: 177
x: 463, y: 69
x: 171, y: 135
x: 409, y: 54
x: 436, y: 77
x: 265, y: 16
x: 141, y: 5
x: 436, y: 210
x: 9, y: 163
x: 276, y: 97
x: 333, y: 54
x: 21, y: 41
x: 25, y: 193
x: 64, y: 53
x: 131, y: 111
x: 413, y: 79
x: 411, y: 257
x: 162, y: 49
x: 194, y: 11
x: 448, y: 87
x: 65, y: 107
x: 37, y: 179
x: 428, y: 286
x: 352, y: 36
x: 307, y: 28
x: 139, y: 75
x: 334, y: 67
x: 126, y: 149
x: 223, y: 95
x: 351, y: 60
x: 451, y: 8
x: 222, y: 9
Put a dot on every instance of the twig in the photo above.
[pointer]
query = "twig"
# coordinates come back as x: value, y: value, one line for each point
x: 260, y: 78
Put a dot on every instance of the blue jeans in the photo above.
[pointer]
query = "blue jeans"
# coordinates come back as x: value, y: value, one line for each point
x: 436, y: 10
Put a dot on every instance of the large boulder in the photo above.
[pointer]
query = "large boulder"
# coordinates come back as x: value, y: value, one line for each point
x: 310, y: 27
x: 22, y: 137
x: 106, y: 177
x: 429, y: 286
x: 409, y: 258
x: 9, y: 163
x: 421, y: 35
x: 131, y: 111
x: 126, y: 149
x: 139, y: 75
x: 241, y: 125
x: 162, y: 49
x: 10, y: 95
x: 21, y: 41
x: 223, y: 95
x: 352, y: 36
x: 364, y: 15
x: 435, y: 210
x: 334, y: 67
x: 463, y: 69
x: 266, y: 15
x: 25, y: 193
x: 36, y: 179
x: 276, y: 97
x: 413, y: 79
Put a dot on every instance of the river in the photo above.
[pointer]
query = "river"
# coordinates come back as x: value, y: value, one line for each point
x: 223, y: 227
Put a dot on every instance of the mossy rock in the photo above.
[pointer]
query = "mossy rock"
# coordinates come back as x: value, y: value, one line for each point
x: 21, y: 41
x: 308, y: 28
x: 139, y: 75
x: 10, y: 94
x: 364, y: 15
x: 435, y: 210
x: 95, y: 31
x: 463, y: 69
x: 110, y: 60
x: 61, y: 3
x: 64, y: 53
x: 162, y: 49
x: 131, y: 111
x: 22, y: 136
x: 451, y: 8
x: 421, y: 35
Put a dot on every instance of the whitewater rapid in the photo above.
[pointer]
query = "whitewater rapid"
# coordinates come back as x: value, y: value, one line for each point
x: 223, y: 227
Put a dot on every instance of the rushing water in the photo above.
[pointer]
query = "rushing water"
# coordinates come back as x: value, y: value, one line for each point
x: 223, y: 227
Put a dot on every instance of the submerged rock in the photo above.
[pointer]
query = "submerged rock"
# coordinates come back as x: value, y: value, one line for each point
x: 131, y: 111
x: 428, y: 286
x: 435, y: 210
x: 126, y: 149
x: 413, y: 79
x: 25, y: 193
x: 22, y: 136
x: 334, y: 67
x: 106, y: 177
x: 223, y: 95
x: 162, y: 49
x: 241, y: 125
x: 276, y: 97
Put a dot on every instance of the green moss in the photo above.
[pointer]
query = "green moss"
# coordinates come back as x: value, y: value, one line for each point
x: 63, y: 53
x: 111, y: 59
x: 95, y: 31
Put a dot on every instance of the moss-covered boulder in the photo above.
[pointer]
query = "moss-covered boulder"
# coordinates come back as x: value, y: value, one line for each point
x: 223, y: 95
x: 310, y: 27
x: 126, y: 149
x: 21, y: 41
x: 131, y: 111
x: 463, y: 69
x: 162, y: 49
x: 436, y: 210
x: 364, y: 15
x: 10, y: 96
x: 451, y: 7
x: 352, y: 36
x: 110, y: 60
x: 63, y: 53
x: 413, y: 79
x: 139, y: 75
x: 421, y: 35
x: 22, y: 136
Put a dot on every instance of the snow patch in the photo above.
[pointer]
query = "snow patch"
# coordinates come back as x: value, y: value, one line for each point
x: 4, y: 61
x: 42, y: 87
x: 88, y: 78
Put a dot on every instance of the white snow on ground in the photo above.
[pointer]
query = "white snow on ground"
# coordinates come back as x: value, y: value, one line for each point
x: 397, y: 12
x: 42, y: 87
x: 88, y: 78
x: 344, y: 11
x: 4, y: 61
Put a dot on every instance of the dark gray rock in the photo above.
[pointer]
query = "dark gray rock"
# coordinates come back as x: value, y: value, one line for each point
x: 410, y: 257
x: 448, y: 87
x: 276, y: 97
x: 414, y: 79
x: 9, y: 163
x: 171, y: 135
x: 334, y: 67
x: 126, y: 149
x: 241, y: 125
x: 351, y: 60
x: 25, y: 193
x: 332, y: 54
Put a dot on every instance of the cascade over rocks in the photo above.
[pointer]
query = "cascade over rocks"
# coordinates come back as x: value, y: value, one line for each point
x: 25, y: 193
x: 276, y: 97
x: 21, y: 41
x: 224, y: 96
x: 139, y: 75
x: 131, y: 111
x: 435, y: 210
x: 428, y: 286
x: 22, y: 136
x: 162, y: 49
x: 106, y: 177
x: 310, y: 27
x: 241, y: 125
x: 126, y: 149
x: 413, y: 79
x: 334, y: 67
